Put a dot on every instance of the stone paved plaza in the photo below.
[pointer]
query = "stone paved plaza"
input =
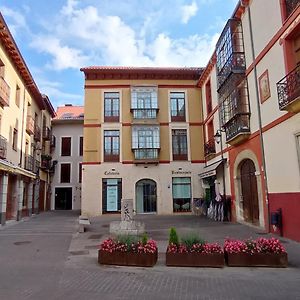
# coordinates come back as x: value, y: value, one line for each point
x: 45, y: 258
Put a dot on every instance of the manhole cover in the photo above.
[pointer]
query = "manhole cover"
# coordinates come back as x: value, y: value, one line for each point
x: 92, y: 247
x: 22, y: 243
x: 79, y: 252
x: 105, y: 225
x: 95, y: 236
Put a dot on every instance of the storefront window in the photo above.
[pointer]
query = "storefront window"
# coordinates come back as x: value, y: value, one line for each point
x: 111, y: 195
x: 181, y: 189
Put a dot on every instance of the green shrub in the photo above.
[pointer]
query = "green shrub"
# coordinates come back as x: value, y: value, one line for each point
x: 191, y: 239
x: 127, y: 239
x: 144, y: 239
x: 173, y: 237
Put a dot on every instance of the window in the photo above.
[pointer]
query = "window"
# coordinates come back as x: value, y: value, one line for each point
x: 177, y: 107
x: 111, y: 145
x: 181, y: 190
x: 145, y: 142
x: 18, y: 95
x: 81, y: 146
x: 144, y: 103
x: 111, y: 107
x: 66, y: 146
x: 15, y: 139
x: 80, y: 173
x: 179, y: 144
x: 111, y: 195
x: 208, y: 97
x: 65, y: 173
x: 2, y: 69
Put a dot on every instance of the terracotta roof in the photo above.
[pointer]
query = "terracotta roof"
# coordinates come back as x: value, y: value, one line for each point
x: 69, y: 112
x: 119, y: 72
x: 14, y: 53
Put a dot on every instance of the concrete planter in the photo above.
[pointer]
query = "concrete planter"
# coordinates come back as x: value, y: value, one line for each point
x: 257, y: 260
x: 214, y: 260
x: 127, y: 258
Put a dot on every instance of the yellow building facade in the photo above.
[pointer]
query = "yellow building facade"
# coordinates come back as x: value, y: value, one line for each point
x: 142, y: 137
x: 25, y: 134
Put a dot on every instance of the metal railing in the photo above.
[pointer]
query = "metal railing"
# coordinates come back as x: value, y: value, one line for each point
x: 46, y: 133
x: 239, y: 124
x: 144, y: 113
x: 291, y: 6
x: 4, y: 92
x: 288, y: 88
x: 147, y: 153
x: 29, y: 163
x: 3, y: 146
x: 37, y: 133
x: 210, y: 147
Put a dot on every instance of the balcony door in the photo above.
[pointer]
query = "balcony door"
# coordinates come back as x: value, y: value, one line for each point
x: 249, y: 192
x: 145, y: 191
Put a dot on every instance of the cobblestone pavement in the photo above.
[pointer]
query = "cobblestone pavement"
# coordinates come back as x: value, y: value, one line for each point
x: 45, y: 258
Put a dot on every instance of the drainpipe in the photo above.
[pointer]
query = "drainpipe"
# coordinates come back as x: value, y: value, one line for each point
x: 22, y: 133
x: 262, y: 148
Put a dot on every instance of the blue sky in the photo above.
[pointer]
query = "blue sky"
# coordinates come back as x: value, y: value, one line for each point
x: 57, y: 37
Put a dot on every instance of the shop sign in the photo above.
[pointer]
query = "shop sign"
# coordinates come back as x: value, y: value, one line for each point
x: 111, y: 173
x: 181, y: 172
x: 208, y: 174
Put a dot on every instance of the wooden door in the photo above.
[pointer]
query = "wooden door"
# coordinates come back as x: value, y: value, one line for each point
x: 11, y: 198
x: 249, y: 192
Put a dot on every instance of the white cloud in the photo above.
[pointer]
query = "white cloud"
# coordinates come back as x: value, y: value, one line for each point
x: 63, y: 57
x: 188, y: 11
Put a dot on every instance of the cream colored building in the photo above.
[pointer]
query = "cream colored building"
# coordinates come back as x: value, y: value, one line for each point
x: 251, y: 102
x: 142, y: 139
x: 25, y: 122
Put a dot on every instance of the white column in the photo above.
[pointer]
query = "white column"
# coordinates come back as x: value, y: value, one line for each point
x: 3, y: 198
x: 20, y: 188
x: 29, y: 197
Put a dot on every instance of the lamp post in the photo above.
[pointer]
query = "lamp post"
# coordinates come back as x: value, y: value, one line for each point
x: 219, y: 140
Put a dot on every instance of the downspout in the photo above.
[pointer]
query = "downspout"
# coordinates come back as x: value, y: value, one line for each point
x: 262, y: 148
x: 22, y: 133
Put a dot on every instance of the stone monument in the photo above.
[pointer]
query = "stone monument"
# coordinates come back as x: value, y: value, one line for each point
x: 127, y: 225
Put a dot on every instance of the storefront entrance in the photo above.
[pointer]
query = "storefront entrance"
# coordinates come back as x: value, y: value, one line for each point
x: 249, y: 191
x: 63, y: 198
x: 145, y: 191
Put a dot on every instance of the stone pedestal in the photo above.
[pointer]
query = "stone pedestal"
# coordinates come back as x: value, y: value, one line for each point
x: 127, y: 225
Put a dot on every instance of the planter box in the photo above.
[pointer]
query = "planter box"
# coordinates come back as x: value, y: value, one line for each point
x: 256, y: 260
x: 127, y: 259
x: 215, y: 260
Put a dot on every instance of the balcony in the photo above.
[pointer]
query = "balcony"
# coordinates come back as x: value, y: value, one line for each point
x: 30, y: 125
x: 29, y: 163
x: 237, y: 130
x: 46, y: 133
x: 210, y: 148
x: 46, y: 162
x: 291, y: 5
x: 3, y: 147
x: 146, y: 155
x: 37, y: 133
x: 4, y: 92
x: 288, y: 89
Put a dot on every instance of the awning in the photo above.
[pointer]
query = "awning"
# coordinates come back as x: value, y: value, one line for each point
x: 210, y: 170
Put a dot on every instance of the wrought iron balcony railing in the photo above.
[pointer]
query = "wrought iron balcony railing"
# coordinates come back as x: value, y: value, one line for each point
x: 30, y: 124
x: 240, y: 124
x: 46, y: 133
x: 29, y: 163
x: 3, y: 147
x: 210, y: 147
x: 291, y: 6
x: 4, y: 92
x: 46, y: 162
x: 144, y: 113
x: 288, y: 88
x: 146, y: 154
x: 37, y: 133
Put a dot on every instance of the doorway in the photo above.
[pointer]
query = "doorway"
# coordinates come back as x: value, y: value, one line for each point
x: 145, y: 190
x: 249, y: 192
x: 63, y: 198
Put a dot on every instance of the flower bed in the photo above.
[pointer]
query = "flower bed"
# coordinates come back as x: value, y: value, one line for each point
x: 255, y: 253
x: 193, y: 252
x: 136, y: 253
